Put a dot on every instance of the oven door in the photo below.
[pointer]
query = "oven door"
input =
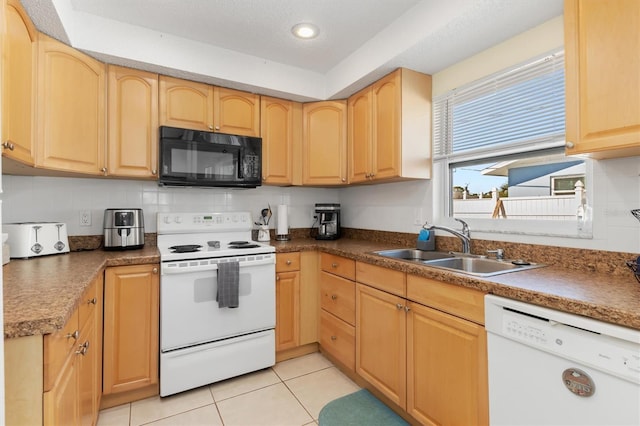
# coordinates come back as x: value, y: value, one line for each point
x: 189, y: 312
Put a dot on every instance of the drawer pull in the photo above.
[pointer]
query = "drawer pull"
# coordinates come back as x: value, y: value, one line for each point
x: 334, y: 338
x: 334, y: 265
x: 73, y: 335
x: 334, y: 296
x: 92, y: 301
x: 288, y: 262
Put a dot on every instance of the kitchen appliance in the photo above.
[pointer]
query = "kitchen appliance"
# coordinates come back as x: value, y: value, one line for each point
x: 552, y: 368
x: 31, y: 239
x: 328, y: 219
x: 196, y: 158
x: 123, y: 229
x: 201, y: 340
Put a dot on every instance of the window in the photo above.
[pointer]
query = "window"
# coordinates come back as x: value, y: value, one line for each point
x: 500, y: 144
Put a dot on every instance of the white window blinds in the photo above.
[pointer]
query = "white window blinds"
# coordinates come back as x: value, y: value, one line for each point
x: 520, y: 108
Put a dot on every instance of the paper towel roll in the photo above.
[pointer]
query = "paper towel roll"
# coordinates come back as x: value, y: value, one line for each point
x: 283, y: 220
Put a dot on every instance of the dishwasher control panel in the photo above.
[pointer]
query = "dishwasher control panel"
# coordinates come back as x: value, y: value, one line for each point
x: 604, y: 346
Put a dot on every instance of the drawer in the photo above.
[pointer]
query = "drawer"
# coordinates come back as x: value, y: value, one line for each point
x: 384, y: 279
x: 460, y: 301
x: 338, y: 296
x: 338, y: 265
x: 338, y: 339
x: 288, y: 262
x: 88, y: 303
x: 57, y: 347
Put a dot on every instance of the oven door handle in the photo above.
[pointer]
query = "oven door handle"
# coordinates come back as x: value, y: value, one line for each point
x: 189, y: 266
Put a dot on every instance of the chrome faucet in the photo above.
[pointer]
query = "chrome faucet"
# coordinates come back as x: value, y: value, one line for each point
x: 464, y: 235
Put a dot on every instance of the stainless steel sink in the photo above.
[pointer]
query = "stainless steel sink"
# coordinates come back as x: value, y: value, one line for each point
x: 414, y: 254
x: 481, y: 267
x: 459, y: 262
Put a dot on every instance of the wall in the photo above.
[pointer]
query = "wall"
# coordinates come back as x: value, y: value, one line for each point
x: 32, y: 198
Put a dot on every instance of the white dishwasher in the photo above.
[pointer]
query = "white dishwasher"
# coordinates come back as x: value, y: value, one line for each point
x: 552, y: 368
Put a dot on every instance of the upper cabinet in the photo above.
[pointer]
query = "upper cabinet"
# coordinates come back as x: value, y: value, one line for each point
x: 390, y: 129
x: 324, y: 143
x: 602, y: 77
x: 199, y: 106
x: 19, y: 44
x: 71, y: 109
x: 280, y: 127
x: 132, y: 123
x: 236, y: 112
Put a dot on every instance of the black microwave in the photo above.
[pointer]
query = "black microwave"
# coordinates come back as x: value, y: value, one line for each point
x: 197, y: 158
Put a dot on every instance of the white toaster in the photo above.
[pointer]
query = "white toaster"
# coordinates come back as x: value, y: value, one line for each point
x: 31, y: 239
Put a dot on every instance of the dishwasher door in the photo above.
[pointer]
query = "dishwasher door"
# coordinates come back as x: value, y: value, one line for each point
x: 552, y: 368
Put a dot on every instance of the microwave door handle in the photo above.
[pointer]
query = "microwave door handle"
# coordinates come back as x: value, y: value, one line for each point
x: 240, y: 161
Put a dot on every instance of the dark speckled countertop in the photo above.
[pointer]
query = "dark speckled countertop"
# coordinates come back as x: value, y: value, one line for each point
x: 40, y: 294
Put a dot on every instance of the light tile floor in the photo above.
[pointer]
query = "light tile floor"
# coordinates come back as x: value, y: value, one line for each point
x: 290, y: 393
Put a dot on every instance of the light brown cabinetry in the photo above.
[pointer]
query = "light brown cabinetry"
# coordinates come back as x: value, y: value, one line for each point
x: 71, y: 109
x: 73, y: 365
x: 199, y: 106
x: 287, y: 301
x: 337, y: 301
x: 132, y: 123
x: 280, y: 129
x: 131, y: 346
x: 446, y: 354
x: 19, y: 66
x: 324, y: 143
x: 390, y: 129
x: 602, y: 77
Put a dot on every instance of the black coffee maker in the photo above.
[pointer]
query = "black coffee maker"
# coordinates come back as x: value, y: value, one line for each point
x: 328, y: 219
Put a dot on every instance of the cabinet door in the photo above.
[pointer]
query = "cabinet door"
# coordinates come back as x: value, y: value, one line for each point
x: 287, y: 310
x: 381, y: 341
x: 18, y: 83
x: 131, y: 319
x: 60, y: 404
x: 71, y: 109
x: 236, y: 112
x: 276, y: 129
x: 133, y: 123
x: 386, y: 137
x: 602, y: 77
x: 88, y: 374
x: 359, y: 125
x: 447, y: 369
x: 324, y: 143
x: 185, y: 104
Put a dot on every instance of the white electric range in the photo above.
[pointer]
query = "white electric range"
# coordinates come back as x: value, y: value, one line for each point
x: 200, y: 342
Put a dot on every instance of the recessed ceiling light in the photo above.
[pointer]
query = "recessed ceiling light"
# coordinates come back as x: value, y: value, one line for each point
x: 304, y: 30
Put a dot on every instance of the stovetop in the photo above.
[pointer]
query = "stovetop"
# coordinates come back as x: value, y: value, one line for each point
x: 183, y: 236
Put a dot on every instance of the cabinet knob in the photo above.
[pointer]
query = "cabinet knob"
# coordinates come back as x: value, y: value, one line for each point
x: 92, y: 301
x: 73, y: 335
x: 277, y: 277
x: 288, y: 262
x: 155, y: 270
x: 8, y: 145
x: 569, y: 144
x: 399, y: 306
x: 407, y: 309
x: 334, y: 296
x: 104, y: 170
x: 217, y: 127
x: 334, y: 338
x: 154, y: 172
x: 334, y: 265
x: 83, y: 348
x: 210, y: 127
x: 371, y: 175
x: 344, y: 180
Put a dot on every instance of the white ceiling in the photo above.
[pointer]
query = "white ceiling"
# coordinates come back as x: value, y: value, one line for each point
x: 247, y: 44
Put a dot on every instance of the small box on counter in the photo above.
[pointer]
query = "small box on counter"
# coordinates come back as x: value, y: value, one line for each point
x: 426, y: 240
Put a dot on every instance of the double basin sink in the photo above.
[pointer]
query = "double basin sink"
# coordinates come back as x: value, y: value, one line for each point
x: 469, y: 264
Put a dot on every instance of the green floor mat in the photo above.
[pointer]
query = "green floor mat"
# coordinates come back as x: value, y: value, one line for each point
x: 358, y: 408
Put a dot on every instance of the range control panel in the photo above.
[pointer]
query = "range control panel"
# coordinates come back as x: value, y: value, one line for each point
x: 172, y: 223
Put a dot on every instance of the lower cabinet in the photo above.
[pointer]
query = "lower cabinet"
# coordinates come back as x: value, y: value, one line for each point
x: 297, y: 304
x: 422, y: 344
x: 131, y: 333
x: 73, y: 365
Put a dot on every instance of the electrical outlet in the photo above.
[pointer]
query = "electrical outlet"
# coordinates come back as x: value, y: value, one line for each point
x: 417, y: 216
x: 85, y: 218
